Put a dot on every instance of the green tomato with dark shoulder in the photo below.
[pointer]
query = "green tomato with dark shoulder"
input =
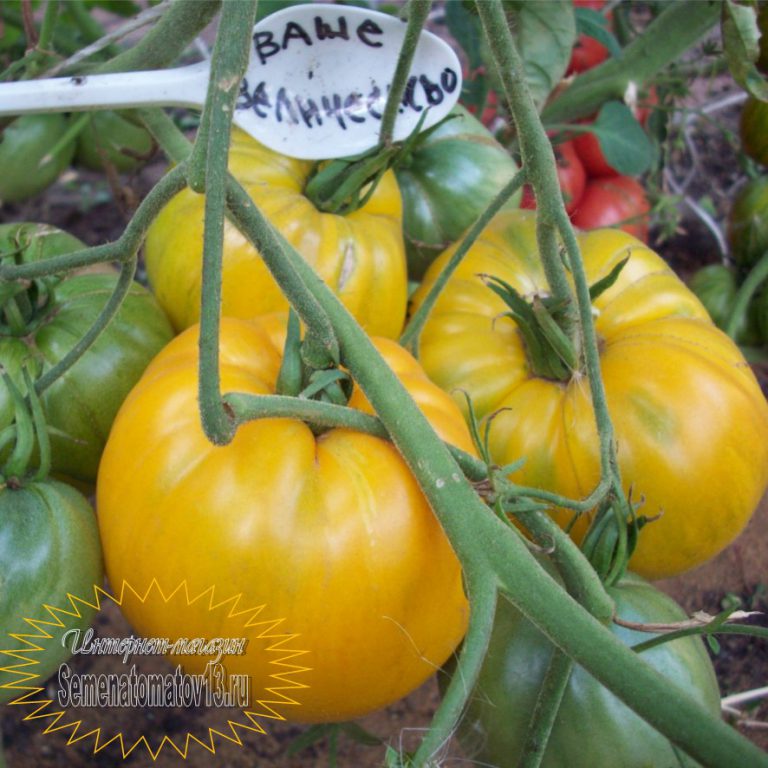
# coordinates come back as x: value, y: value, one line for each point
x: 49, y: 549
x: 114, y: 139
x: 716, y: 286
x: 27, y: 165
x: 593, y: 728
x: 43, y: 322
x: 747, y: 229
x: 753, y: 128
x: 449, y: 179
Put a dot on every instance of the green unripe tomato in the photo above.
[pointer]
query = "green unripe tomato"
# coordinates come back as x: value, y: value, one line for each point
x: 716, y: 286
x: 759, y: 314
x: 49, y: 548
x: 753, y: 128
x: 748, y: 223
x: 51, y: 315
x: 113, y: 138
x: 593, y: 728
x: 27, y: 166
x: 448, y: 181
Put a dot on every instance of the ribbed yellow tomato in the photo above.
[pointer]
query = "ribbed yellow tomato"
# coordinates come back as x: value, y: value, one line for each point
x: 361, y: 256
x: 329, y: 533
x: 691, y: 422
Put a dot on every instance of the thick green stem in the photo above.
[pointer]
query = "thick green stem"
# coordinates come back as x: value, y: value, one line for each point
x: 482, y: 596
x: 418, y: 10
x: 545, y: 711
x: 485, y: 545
x: 164, y: 131
x: 208, y: 171
x: 756, y: 277
x: 410, y: 336
x: 248, y: 407
x: 679, y: 26
x: 167, y: 40
x: 535, y: 150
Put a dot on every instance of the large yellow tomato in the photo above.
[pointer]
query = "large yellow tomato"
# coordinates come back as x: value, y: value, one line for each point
x: 330, y: 533
x: 691, y: 422
x: 361, y: 256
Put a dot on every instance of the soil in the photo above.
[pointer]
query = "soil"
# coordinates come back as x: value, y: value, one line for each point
x: 85, y: 205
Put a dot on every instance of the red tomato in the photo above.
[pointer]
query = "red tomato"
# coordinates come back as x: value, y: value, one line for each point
x: 587, y: 52
x: 616, y: 201
x: 570, y: 174
x: 588, y: 149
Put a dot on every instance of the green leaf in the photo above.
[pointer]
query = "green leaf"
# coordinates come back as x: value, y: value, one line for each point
x: 545, y: 34
x: 741, y: 37
x: 625, y: 144
x: 593, y: 24
x: 311, y: 736
x: 358, y: 734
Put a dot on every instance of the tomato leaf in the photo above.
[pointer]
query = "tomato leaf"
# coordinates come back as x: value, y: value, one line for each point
x: 464, y: 27
x: 312, y: 735
x: 359, y: 735
x: 593, y: 24
x: 545, y: 34
x: 622, y: 139
x: 741, y: 37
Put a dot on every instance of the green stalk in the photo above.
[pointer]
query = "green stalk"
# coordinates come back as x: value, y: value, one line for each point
x: 412, y: 332
x: 41, y: 428
x: 165, y: 132
x: 111, y: 308
x: 47, y: 28
x: 756, y: 277
x: 482, y: 600
x: 418, y: 10
x: 679, y: 26
x: 491, y: 553
x: 544, y: 714
x: 168, y: 38
x: 534, y: 148
x: 208, y: 171
x: 247, y: 407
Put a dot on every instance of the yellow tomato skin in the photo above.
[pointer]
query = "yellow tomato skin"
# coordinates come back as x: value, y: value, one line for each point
x: 691, y: 422
x: 361, y: 256
x: 331, y: 534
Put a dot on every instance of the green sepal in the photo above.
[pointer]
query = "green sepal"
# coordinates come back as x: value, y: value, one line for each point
x: 599, y: 287
x: 289, y: 379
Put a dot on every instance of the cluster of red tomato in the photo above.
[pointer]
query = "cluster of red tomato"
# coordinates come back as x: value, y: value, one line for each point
x: 595, y: 194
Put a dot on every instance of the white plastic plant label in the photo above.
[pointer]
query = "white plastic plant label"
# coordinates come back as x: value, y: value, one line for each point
x: 319, y: 75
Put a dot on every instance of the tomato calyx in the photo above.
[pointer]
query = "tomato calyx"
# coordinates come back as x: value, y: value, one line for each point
x: 344, y: 185
x: 299, y: 378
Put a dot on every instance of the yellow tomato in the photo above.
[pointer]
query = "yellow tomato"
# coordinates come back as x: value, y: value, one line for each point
x: 330, y: 533
x: 691, y: 422
x: 361, y: 256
